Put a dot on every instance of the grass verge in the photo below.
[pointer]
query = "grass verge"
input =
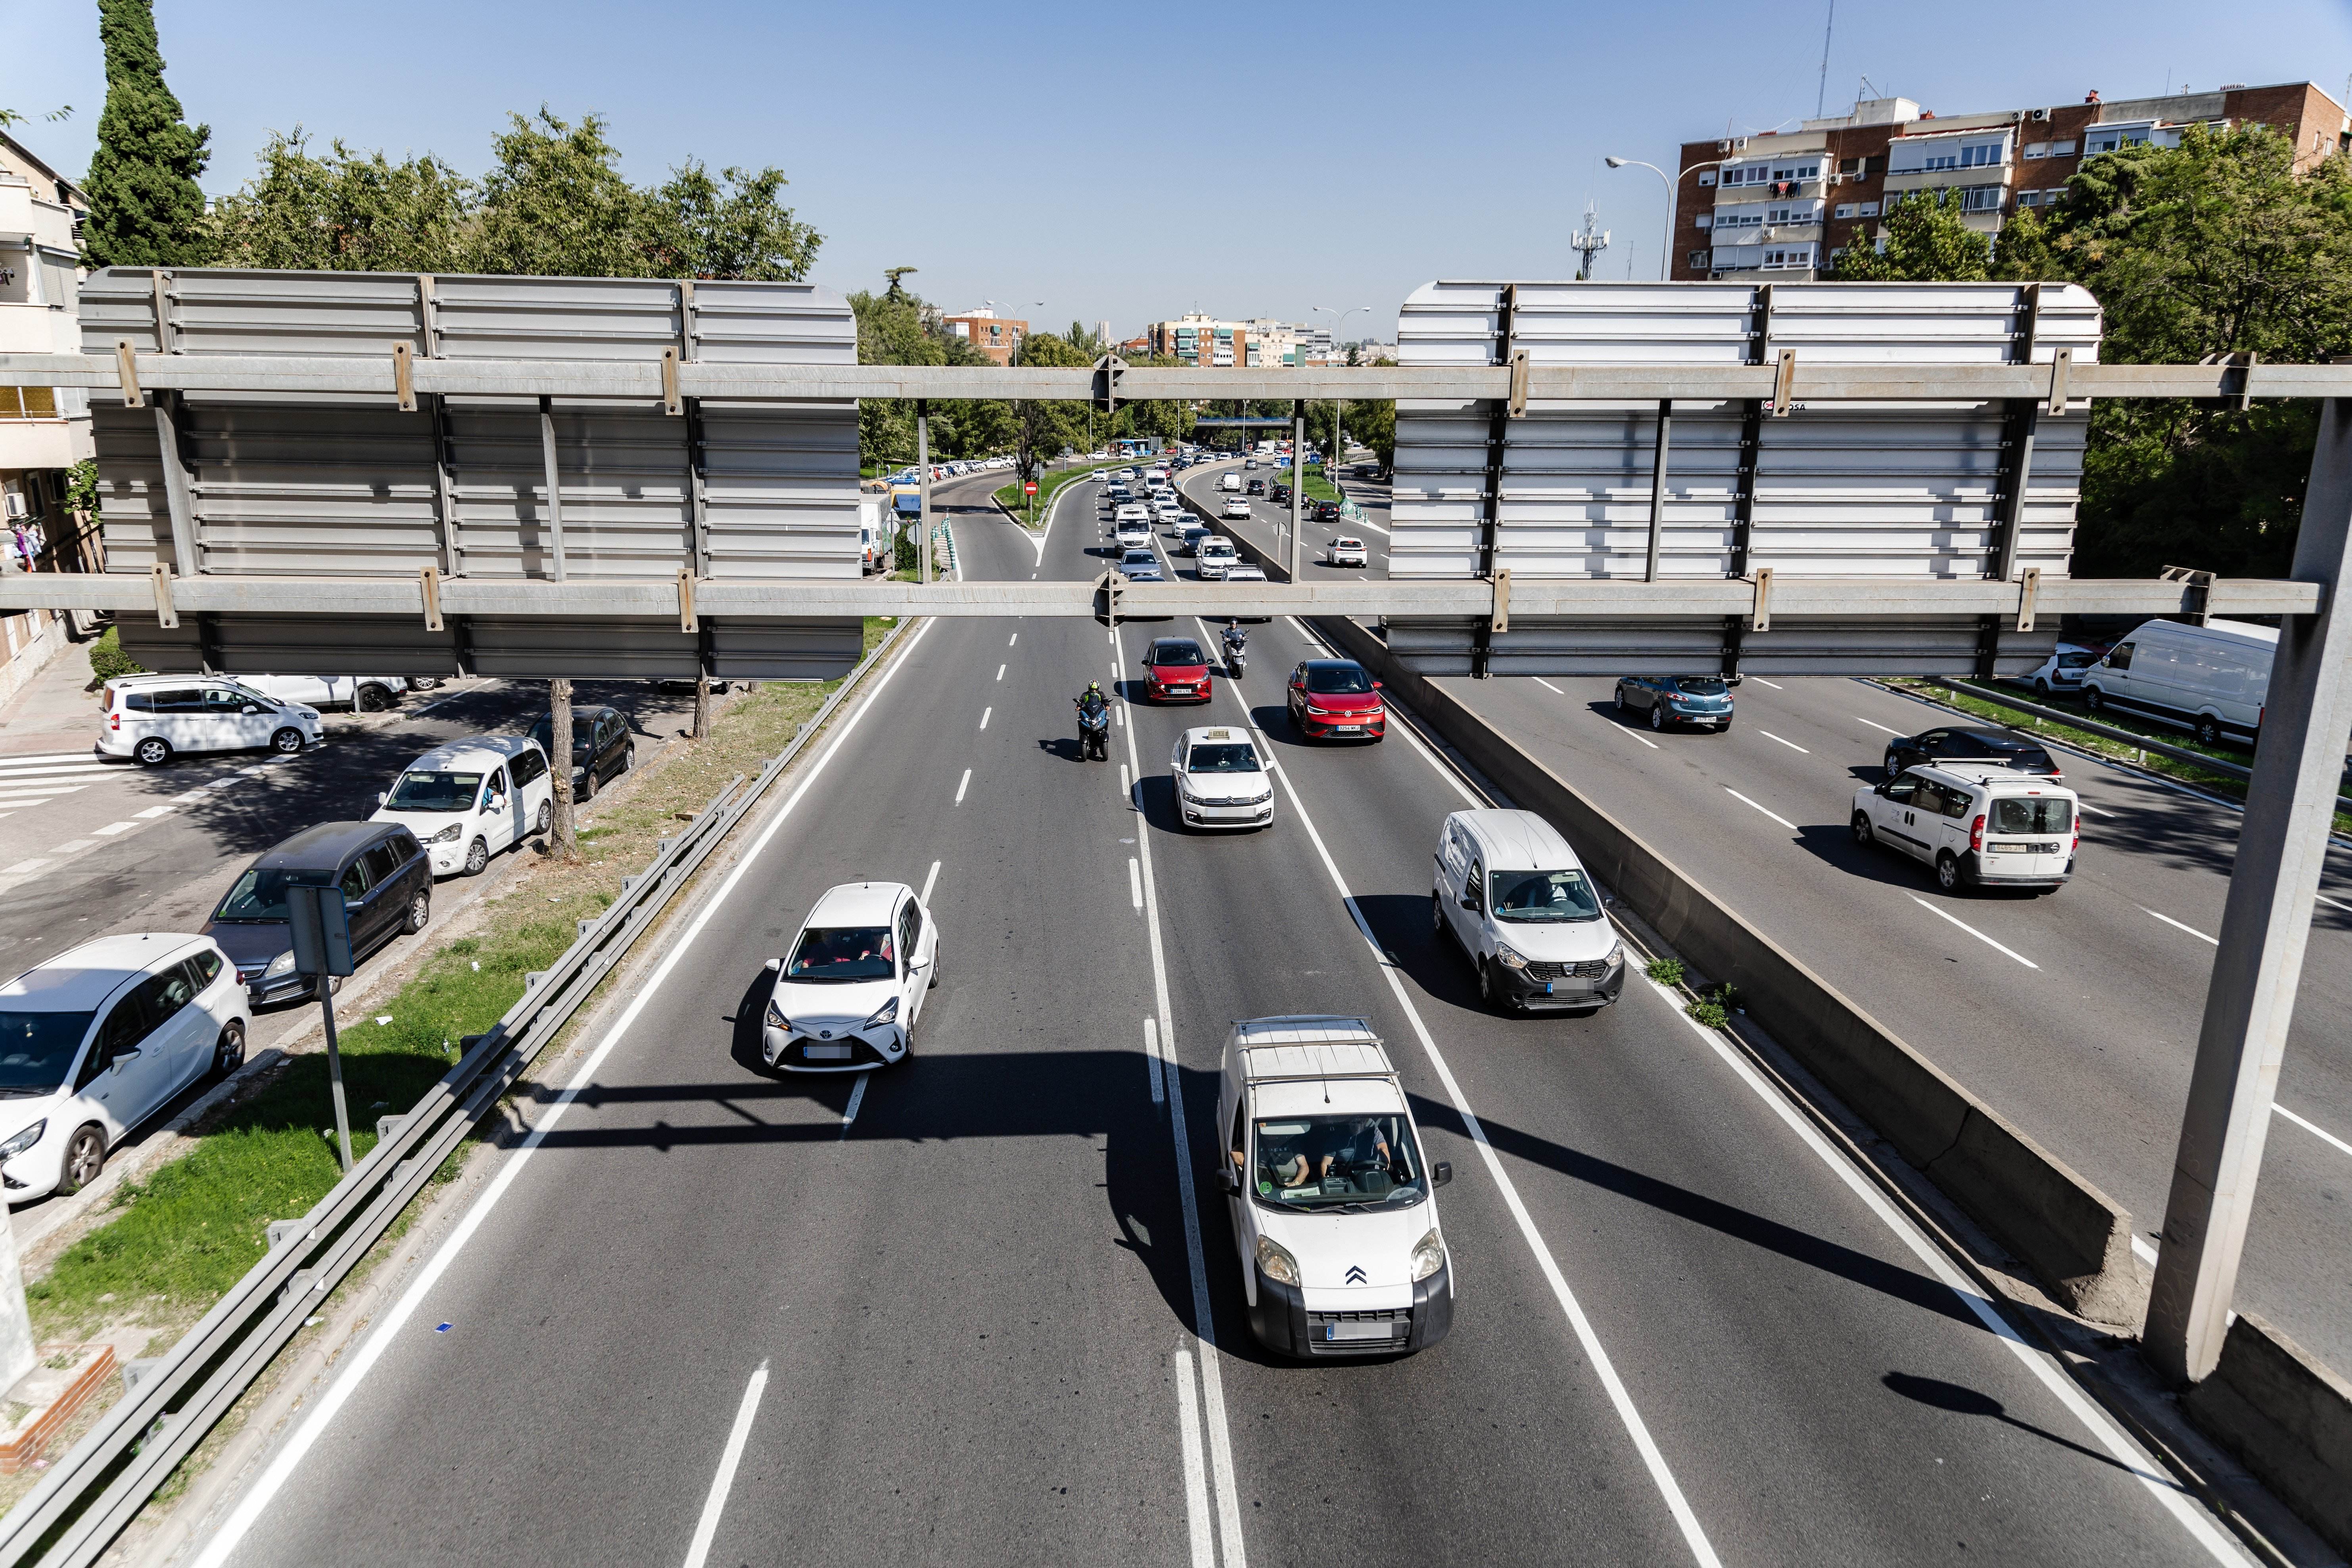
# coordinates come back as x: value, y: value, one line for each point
x: 1011, y: 500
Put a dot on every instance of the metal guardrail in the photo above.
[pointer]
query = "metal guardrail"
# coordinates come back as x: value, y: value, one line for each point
x: 90, y: 1496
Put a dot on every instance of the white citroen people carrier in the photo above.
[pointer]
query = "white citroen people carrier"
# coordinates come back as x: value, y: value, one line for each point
x: 1979, y: 825
x: 1334, y: 1201
x: 1514, y: 897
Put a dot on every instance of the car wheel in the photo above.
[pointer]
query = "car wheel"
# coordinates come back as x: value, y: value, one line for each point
x: 2208, y: 732
x: 1620, y: 700
x: 1657, y: 717
x: 2094, y: 700
x: 372, y: 700
x: 420, y: 912
x: 478, y: 857
x: 1490, y: 989
x: 1892, y: 765
x: 932, y: 984
x: 1862, y: 832
x: 2041, y: 688
x: 1436, y: 914
x: 287, y: 741
x: 153, y: 752
x: 228, y: 1051
x: 545, y: 819
x: 587, y: 791
x: 629, y: 758
x: 85, y: 1158
x: 1951, y: 875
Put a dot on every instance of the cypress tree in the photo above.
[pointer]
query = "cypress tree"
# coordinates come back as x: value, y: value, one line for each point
x: 145, y: 210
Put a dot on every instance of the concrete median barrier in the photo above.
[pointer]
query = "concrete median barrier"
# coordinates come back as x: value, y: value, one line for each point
x: 2287, y: 1418
x: 2075, y: 1238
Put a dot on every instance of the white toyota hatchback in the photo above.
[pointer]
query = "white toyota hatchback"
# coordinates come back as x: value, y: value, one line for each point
x: 98, y: 1040
x: 848, y: 989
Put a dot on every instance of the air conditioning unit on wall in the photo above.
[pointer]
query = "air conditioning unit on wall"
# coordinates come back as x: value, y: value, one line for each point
x: 2037, y: 114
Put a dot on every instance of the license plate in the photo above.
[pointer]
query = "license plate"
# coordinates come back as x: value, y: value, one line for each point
x: 826, y: 1053
x: 1348, y: 729
x: 1359, y: 1331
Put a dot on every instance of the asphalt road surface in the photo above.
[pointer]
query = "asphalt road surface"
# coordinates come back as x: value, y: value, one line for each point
x: 946, y: 1312
x: 1268, y: 526
x: 2075, y: 1014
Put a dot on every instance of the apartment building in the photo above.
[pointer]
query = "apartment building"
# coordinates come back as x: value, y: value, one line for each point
x: 43, y: 430
x: 1786, y: 203
x: 998, y: 337
x: 1199, y: 339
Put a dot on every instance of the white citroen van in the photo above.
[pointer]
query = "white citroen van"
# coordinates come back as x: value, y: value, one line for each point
x: 1979, y: 825
x: 1516, y: 901
x: 469, y: 799
x: 2211, y: 679
x: 1334, y: 1201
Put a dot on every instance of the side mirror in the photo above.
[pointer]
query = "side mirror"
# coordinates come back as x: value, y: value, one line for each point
x: 1880, y: 788
x: 1229, y: 1178
x: 1380, y: 685
x: 1471, y: 904
x: 773, y: 965
x: 382, y: 798
x: 249, y: 707
x: 1442, y: 1173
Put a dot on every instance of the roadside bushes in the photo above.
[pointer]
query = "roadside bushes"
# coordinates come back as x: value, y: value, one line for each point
x: 108, y: 660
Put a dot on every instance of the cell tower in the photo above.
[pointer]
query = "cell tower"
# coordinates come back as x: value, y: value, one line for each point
x: 1588, y: 243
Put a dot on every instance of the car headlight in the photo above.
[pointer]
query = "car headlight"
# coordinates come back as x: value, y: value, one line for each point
x: 885, y: 1013
x: 24, y: 1140
x: 1276, y: 1260
x: 281, y: 965
x: 1507, y: 959
x: 1616, y: 955
x: 776, y: 1019
x: 447, y: 834
x: 1428, y: 1256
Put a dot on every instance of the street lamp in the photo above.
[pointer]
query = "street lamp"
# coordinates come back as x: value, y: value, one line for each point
x: 1666, y: 245
x: 1338, y: 447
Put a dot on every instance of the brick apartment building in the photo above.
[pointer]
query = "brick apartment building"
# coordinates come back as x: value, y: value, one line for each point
x: 1788, y: 202
x: 998, y: 337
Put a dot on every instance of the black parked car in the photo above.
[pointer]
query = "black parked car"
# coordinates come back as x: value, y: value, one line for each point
x: 388, y: 883
x: 1957, y: 746
x: 600, y: 747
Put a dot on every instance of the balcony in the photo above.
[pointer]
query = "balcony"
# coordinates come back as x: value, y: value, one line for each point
x: 37, y: 329
x: 1939, y: 179
x: 23, y: 216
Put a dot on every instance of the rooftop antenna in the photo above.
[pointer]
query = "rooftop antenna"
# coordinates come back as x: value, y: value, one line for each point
x: 1821, y: 94
x: 1588, y: 243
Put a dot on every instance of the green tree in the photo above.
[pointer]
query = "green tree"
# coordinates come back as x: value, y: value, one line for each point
x: 1043, y: 427
x: 346, y: 211
x: 1925, y: 240
x: 145, y: 209
x: 556, y: 205
x: 898, y: 327
x: 732, y: 227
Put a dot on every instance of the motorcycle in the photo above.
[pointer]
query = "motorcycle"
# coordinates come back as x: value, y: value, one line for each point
x: 1094, y: 733
x: 1235, y: 651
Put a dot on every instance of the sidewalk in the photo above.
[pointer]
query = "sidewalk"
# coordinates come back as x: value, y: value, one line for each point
x: 55, y: 711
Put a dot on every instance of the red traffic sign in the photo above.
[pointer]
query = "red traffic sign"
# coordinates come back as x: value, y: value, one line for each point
x: 1031, y: 487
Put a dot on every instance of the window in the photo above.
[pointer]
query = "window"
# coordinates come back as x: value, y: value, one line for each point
x: 1850, y: 166
x: 124, y: 1027
x: 843, y: 954
x: 1697, y: 259
x: 1789, y: 256
x: 1704, y: 220
x: 1798, y: 172
x: 1982, y: 199
x: 910, y: 925
x: 2039, y: 814
x: 1869, y: 209
x: 2102, y: 141
x: 2037, y: 149
x: 1980, y: 157
x: 1845, y: 210
x: 1901, y: 791
x: 1928, y: 798
x: 1527, y: 898
x: 2061, y: 149
x: 1706, y: 176
x: 2121, y: 658
x: 166, y: 994
x: 189, y: 700
x: 356, y: 879
x: 1941, y: 161
x: 203, y: 969
x: 529, y: 767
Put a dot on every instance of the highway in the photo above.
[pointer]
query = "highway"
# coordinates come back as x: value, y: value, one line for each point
x: 950, y: 1311
x: 1267, y: 523
x: 2075, y: 1014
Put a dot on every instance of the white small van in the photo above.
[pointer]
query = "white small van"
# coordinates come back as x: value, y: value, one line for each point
x: 469, y: 799
x: 1979, y: 825
x: 1229, y: 481
x: 155, y: 718
x: 1334, y: 1202
x: 2211, y: 679
x: 1516, y: 899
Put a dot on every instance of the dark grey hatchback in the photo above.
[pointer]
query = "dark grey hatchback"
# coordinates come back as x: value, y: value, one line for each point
x: 1676, y: 699
x: 388, y: 883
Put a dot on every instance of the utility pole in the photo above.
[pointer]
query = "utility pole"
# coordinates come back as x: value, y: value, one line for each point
x: 1588, y: 243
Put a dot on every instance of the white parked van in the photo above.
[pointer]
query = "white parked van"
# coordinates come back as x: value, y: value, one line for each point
x: 469, y: 799
x: 1979, y: 825
x: 1516, y: 901
x: 2213, y: 679
x: 155, y: 718
x: 1334, y: 1201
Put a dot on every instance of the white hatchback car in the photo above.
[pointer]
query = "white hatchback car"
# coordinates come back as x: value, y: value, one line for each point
x: 1221, y: 780
x: 98, y: 1040
x: 1345, y: 552
x: 1214, y: 553
x: 848, y: 989
x: 361, y: 693
x: 469, y: 799
x: 1235, y: 507
x: 155, y: 718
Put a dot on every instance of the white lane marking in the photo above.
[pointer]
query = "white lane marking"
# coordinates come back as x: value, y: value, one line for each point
x: 2175, y: 925
x: 930, y: 880
x: 2094, y: 810
x: 1016, y: 638
x: 228, y: 782
x: 1151, y: 1059
x: 1000, y: 672
x: 1875, y: 724
x: 2185, y: 1509
x: 1773, y: 684
x: 1773, y: 815
x: 1972, y: 932
x: 35, y: 797
x: 1606, y: 1370
x: 1399, y: 727
x: 963, y: 785
x: 77, y: 771
x: 856, y: 1099
x: 2313, y: 1128
x: 111, y: 829
x: 151, y: 812
x: 1636, y: 735
x: 1134, y: 882
x: 1205, y: 1322
x: 1196, y: 1481
x: 698, y: 1551
x: 31, y: 759
x: 2331, y: 903
x: 1548, y: 686
x: 70, y: 845
x: 1790, y: 744
x: 2143, y: 1250
x: 1125, y: 788
x: 25, y: 867
x: 257, y: 1500
x: 983, y: 717
x: 1313, y: 641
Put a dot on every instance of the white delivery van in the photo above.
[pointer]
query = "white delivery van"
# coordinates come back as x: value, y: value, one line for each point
x: 2211, y: 679
x: 1516, y: 901
x: 1334, y: 1202
x: 1229, y: 481
x: 1979, y: 825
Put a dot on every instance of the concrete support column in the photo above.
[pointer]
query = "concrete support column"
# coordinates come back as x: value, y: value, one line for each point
x: 923, y: 482
x: 1298, y: 482
x: 2282, y: 844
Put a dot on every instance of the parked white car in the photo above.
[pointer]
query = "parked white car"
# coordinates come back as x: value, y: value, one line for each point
x: 362, y: 693
x: 1221, y: 780
x: 1333, y: 1199
x: 2062, y: 672
x: 98, y: 1040
x: 2212, y: 679
x: 1214, y: 553
x: 155, y: 718
x: 848, y: 989
x: 1979, y: 825
x: 469, y: 799
x: 1346, y: 552
x: 1517, y: 901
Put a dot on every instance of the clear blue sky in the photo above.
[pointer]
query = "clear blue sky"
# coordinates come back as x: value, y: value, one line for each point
x: 1133, y: 163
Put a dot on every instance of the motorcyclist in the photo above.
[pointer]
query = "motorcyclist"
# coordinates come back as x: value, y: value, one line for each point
x: 1235, y: 636
x: 1093, y: 713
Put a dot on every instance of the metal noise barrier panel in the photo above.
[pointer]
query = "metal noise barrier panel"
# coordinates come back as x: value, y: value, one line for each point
x: 479, y: 487
x: 1564, y: 490
x: 84, y: 1502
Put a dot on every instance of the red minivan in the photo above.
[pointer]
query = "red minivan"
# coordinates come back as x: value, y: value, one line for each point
x: 1175, y: 671
x: 1336, y: 698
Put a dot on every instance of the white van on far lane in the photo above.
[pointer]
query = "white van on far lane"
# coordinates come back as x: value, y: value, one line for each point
x: 2211, y: 679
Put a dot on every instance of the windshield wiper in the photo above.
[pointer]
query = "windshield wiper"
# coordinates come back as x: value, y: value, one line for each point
x: 18, y: 1091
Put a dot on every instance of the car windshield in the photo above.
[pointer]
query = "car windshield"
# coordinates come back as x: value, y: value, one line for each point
x: 1224, y: 757
x: 420, y: 791
x: 1533, y: 897
x: 1698, y: 686
x: 2033, y: 813
x: 260, y: 895
x: 1337, y: 680
x: 36, y: 1049
x: 1139, y: 558
x: 583, y: 729
x: 842, y: 954
x: 1338, y: 1163
x: 1177, y: 653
